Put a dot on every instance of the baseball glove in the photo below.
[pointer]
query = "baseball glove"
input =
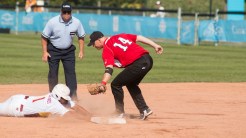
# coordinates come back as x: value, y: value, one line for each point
x: 94, y: 89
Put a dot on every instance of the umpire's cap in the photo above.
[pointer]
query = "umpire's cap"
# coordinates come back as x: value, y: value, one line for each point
x: 66, y: 7
x: 95, y: 36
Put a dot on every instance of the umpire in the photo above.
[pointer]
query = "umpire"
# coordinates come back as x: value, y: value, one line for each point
x: 57, y: 44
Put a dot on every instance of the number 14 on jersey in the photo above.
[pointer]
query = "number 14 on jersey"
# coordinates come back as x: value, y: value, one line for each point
x: 124, y: 41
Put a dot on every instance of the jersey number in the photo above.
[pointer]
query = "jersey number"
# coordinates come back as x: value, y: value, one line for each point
x: 124, y: 41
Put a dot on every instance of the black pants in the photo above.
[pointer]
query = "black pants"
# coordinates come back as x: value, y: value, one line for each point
x: 67, y: 56
x: 130, y: 77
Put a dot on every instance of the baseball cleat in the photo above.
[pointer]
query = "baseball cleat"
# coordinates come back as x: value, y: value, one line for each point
x: 145, y: 114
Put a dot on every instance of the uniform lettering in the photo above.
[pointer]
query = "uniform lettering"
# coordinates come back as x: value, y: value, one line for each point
x: 120, y: 46
x: 124, y: 41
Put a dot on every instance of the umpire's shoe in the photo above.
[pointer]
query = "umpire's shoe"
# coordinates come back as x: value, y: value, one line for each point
x: 145, y: 114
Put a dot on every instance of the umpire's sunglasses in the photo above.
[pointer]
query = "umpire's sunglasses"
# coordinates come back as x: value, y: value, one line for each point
x: 66, y: 12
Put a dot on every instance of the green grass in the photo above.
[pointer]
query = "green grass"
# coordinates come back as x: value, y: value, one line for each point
x: 20, y: 63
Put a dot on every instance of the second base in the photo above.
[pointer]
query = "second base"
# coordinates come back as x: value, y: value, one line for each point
x: 105, y: 120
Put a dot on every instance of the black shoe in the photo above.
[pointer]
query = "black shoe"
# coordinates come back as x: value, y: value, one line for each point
x: 145, y: 114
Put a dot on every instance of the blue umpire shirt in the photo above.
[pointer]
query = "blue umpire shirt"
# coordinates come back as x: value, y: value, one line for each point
x: 60, y: 33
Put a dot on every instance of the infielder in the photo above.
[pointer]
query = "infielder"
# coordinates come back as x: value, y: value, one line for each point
x: 55, y: 102
x: 122, y: 51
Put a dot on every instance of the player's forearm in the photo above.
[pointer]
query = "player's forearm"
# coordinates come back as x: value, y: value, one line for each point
x: 44, y: 44
x: 107, y: 74
x: 146, y: 41
x: 81, y: 110
x: 78, y: 110
x: 81, y: 45
x: 106, y: 78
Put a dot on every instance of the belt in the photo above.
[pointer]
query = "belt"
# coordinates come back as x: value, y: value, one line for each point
x: 60, y: 48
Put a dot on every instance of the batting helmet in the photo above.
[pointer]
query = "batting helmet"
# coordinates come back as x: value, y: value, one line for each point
x: 61, y: 90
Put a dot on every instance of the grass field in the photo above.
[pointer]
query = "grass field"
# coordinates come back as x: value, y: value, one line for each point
x: 20, y: 63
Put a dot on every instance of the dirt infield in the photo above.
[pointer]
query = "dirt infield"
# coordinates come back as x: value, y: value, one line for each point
x: 181, y: 110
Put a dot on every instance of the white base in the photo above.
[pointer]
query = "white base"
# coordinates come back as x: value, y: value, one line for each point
x: 105, y: 120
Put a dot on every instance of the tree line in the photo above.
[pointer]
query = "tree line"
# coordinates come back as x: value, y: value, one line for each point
x: 105, y: 3
x: 186, y: 5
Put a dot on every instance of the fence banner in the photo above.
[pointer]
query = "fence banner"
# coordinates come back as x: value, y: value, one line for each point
x: 114, y: 24
x: 7, y: 19
x: 187, y: 32
x: 208, y: 30
x: 92, y: 22
x: 33, y: 21
x: 222, y: 31
x: 109, y: 24
x: 232, y: 31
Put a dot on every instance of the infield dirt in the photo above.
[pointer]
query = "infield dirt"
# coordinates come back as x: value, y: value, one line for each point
x: 181, y: 110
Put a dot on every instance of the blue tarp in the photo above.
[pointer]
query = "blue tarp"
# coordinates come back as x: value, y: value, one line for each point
x: 208, y: 30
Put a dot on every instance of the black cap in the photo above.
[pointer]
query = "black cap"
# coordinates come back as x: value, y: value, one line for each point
x: 94, y: 36
x: 66, y: 7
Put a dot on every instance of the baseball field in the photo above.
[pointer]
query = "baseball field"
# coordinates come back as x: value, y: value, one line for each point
x: 194, y: 91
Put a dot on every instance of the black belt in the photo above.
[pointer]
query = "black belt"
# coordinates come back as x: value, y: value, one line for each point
x: 59, y: 48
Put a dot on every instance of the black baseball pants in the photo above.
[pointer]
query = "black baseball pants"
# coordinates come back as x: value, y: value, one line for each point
x: 130, y: 77
x: 67, y: 57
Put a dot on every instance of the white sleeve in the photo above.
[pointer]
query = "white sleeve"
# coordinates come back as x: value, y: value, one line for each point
x: 81, y: 31
x: 47, y: 30
x: 71, y: 103
x: 62, y: 112
x: 57, y: 108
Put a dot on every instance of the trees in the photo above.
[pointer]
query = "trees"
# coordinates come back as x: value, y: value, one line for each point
x: 186, y: 5
x: 8, y: 2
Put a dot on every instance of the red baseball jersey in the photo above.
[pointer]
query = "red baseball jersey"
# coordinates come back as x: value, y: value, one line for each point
x: 121, y: 50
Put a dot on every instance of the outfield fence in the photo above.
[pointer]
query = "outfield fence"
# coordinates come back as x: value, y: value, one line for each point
x: 190, y: 31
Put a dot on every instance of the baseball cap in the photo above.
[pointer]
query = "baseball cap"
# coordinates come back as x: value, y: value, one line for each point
x: 66, y: 7
x: 94, y: 36
x: 158, y: 2
x: 61, y: 90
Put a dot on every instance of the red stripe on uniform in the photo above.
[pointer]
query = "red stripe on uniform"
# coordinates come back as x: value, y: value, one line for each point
x: 21, y: 107
x: 38, y: 99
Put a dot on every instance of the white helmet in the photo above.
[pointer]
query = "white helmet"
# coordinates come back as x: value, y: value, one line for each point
x: 61, y: 90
